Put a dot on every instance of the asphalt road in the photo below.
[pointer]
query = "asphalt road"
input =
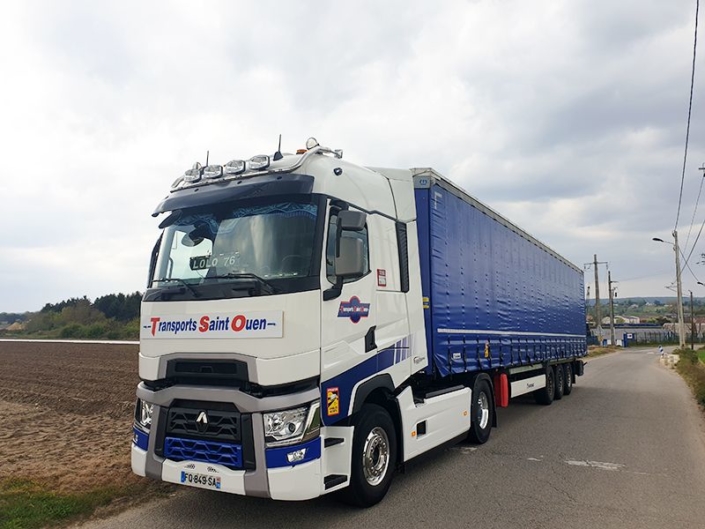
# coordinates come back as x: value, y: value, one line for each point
x: 625, y: 449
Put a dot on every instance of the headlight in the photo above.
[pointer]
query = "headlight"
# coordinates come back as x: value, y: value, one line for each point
x: 292, y: 426
x: 143, y: 413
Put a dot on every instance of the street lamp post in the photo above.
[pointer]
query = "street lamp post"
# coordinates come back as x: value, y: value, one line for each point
x: 679, y: 288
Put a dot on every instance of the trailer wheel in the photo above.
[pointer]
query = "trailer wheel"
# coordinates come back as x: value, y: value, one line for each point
x: 545, y: 395
x: 374, y: 453
x: 560, y: 382
x: 567, y: 379
x: 481, y: 412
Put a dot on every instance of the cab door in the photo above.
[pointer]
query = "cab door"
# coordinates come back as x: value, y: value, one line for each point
x: 348, y: 322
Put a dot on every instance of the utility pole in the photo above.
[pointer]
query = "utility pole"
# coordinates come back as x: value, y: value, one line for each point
x: 598, y: 308
x: 679, y: 286
x: 598, y: 312
x: 692, y: 323
x: 609, y: 284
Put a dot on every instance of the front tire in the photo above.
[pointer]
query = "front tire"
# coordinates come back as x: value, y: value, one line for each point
x: 374, y: 455
x: 481, y: 412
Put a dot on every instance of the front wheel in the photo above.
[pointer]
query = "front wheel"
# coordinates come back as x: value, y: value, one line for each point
x: 374, y: 454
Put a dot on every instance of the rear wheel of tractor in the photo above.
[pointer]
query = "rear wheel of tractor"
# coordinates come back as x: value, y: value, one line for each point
x: 545, y: 395
x: 560, y: 382
x: 481, y: 412
x: 567, y: 379
x: 374, y: 453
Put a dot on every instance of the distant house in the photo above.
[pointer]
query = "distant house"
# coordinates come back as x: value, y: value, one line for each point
x: 618, y: 320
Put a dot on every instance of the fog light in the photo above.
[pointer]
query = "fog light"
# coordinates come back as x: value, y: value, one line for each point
x: 296, y: 456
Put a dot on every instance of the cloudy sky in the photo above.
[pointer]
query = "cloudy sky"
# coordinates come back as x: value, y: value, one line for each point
x: 569, y: 117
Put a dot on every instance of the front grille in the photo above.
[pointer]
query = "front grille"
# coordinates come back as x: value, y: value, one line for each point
x: 228, y: 455
x: 214, y: 425
x: 228, y: 373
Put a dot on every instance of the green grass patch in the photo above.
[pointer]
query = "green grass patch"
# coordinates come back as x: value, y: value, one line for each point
x: 26, y: 504
x: 692, y: 370
x: 701, y: 355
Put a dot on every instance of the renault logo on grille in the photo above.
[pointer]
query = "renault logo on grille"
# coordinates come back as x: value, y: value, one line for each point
x: 202, y: 421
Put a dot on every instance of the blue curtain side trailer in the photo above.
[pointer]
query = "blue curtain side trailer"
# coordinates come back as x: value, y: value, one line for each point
x: 496, y: 300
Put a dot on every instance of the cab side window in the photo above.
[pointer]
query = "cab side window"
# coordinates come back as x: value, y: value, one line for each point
x: 330, y: 247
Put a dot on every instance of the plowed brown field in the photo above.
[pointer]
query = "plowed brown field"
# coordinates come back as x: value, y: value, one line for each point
x: 66, y: 413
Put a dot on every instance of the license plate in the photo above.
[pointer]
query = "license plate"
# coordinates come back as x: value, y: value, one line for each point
x: 200, y: 480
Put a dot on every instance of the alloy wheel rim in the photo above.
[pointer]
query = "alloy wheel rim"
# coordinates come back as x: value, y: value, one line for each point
x: 375, y: 456
x: 483, y: 410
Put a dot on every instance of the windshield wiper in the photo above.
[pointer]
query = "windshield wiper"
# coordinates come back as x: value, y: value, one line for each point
x: 259, y: 281
x: 179, y: 280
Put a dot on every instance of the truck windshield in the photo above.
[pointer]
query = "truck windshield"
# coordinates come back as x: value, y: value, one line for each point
x: 253, y: 249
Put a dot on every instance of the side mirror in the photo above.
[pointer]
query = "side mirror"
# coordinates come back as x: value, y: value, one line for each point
x: 351, y: 261
x: 351, y: 220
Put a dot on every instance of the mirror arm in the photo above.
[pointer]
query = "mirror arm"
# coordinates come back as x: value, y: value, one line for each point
x: 334, y: 291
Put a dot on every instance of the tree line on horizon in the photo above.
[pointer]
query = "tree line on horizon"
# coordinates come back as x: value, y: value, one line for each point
x: 111, y: 317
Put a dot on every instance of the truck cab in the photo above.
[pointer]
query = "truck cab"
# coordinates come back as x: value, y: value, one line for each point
x: 310, y: 325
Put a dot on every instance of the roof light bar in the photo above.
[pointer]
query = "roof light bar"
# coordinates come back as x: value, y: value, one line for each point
x: 258, y: 162
x: 234, y: 167
x: 213, y: 171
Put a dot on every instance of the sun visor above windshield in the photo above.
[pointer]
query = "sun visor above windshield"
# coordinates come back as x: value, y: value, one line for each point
x: 237, y: 189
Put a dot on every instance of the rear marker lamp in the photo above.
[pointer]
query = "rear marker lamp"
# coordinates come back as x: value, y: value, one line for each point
x: 213, y: 171
x: 193, y: 174
x: 234, y: 167
x: 257, y: 163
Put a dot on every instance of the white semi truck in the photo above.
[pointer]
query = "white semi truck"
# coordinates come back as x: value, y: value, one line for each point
x: 310, y: 325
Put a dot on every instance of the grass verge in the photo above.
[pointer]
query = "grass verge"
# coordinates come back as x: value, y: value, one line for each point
x: 25, y: 504
x: 597, y: 350
x: 692, y: 370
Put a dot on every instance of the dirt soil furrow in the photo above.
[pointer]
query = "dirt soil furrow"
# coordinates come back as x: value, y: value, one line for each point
x: 67, y: 411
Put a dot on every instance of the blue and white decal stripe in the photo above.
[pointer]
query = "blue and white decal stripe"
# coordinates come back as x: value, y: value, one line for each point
x: 346, y: 381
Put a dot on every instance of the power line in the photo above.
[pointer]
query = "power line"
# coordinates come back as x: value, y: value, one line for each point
x: 695, y: 242
x: 690, y: 108
x: 697, y: 201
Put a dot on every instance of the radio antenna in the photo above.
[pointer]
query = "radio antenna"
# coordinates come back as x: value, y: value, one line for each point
x: 278, y: 155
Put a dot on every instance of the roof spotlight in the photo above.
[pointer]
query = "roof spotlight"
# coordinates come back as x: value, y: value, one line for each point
x: 193, y: 174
